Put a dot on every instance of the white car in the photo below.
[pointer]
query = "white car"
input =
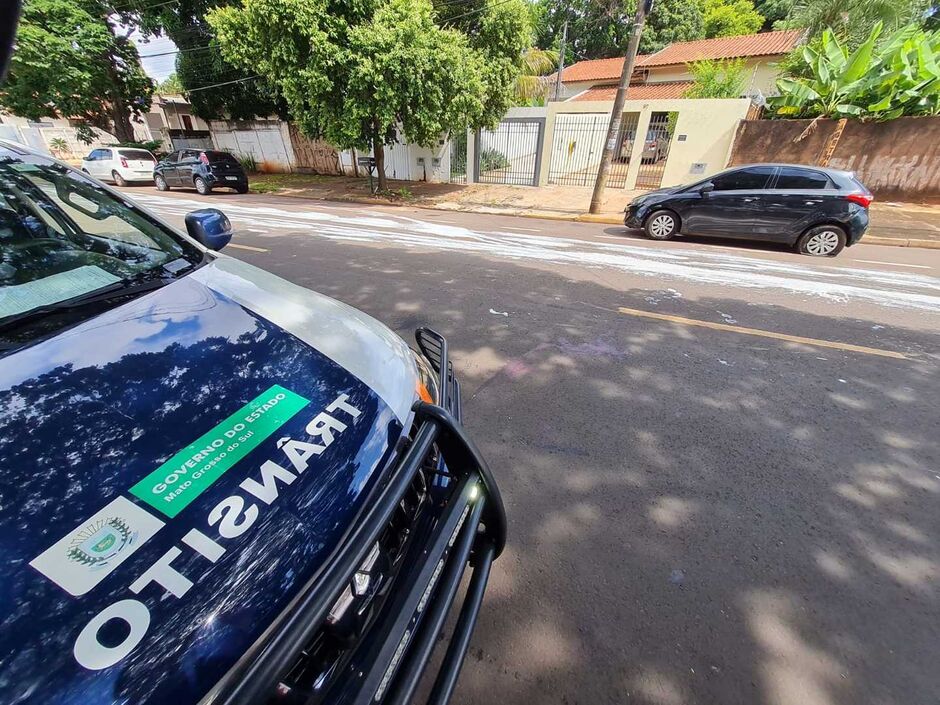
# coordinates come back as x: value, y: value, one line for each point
x: 120, y: 165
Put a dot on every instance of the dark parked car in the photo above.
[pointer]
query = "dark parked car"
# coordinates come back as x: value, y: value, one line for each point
x: 818, y: 210
x: 202, y: 169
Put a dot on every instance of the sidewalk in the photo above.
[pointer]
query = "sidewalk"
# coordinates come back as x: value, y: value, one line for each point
x: 899, y: 224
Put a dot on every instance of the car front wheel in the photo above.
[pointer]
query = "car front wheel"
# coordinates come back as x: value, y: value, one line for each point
x: 161, y: 183
x: 822, y: 241
x: 201, y: 186
x: 662, y: 225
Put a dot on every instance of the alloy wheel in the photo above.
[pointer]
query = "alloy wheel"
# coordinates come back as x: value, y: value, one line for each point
x: 662, y: 225
x: 823, y: 243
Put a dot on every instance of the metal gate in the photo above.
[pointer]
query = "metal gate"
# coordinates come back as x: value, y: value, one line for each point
x: 510, y: 154
x: 656, y: 150
x: 458, y: 157
x: 578, y: 143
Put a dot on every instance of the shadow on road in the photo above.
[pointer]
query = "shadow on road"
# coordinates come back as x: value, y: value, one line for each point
x: 695, y: 516
x: 756, y: 245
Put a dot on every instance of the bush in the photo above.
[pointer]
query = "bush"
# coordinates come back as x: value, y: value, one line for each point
x: 491, y: 159
x: 248, y: 162
x: 153, y: 146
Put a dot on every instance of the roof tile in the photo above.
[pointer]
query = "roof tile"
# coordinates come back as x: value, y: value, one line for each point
x: 763, y: 44
x: 648, y: 91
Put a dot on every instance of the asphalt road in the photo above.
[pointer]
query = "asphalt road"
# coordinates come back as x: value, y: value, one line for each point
x: 729, y: 514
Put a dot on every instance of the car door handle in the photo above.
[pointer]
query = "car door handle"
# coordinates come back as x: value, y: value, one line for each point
x: 813, y: 202
x: 749, y: 200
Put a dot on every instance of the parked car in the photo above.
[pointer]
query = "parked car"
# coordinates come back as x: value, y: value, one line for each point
x: 202, y: 169
x: 218, y: 486
x: 120, y: 165
x: 817, y: 210
x: 655, y: 149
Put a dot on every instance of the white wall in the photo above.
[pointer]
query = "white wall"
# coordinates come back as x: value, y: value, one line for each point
x: 268, y: 141
x: 701, y: 142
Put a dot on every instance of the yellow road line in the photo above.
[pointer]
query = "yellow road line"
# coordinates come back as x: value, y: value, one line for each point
x: 848, y: 347
x: 248, y: 247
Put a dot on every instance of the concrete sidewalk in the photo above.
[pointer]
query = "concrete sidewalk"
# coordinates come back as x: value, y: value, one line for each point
x: 899, y: 224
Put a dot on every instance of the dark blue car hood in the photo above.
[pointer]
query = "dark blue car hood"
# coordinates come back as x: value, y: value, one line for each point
x: 94, y: 419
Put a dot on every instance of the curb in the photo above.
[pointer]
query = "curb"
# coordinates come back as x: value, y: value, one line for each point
x: 599, y: 218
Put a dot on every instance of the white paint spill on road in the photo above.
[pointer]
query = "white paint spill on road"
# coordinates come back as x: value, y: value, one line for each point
x: 833, y: 284
x: 500, y: 313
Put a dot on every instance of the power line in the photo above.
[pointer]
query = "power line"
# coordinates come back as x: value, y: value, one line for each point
x: 226, y: 83
x: 177, y: 51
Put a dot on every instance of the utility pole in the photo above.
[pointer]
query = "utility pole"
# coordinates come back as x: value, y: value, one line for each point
x: 616, y: 116
x: 561, y: 56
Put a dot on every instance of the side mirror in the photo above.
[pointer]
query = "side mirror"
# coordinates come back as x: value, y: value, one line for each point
x: 209, y: 227
x: 706, y: 189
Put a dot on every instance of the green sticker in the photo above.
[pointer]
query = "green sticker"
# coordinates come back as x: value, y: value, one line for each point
x: 185, y: 476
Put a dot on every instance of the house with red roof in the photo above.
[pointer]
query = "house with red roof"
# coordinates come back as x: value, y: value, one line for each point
x: 665, y: 74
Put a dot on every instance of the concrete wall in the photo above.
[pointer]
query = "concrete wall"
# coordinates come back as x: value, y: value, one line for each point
x: 899, y: 159
x: 39, y: 135
x: 701, y: 142
x: 268, y: 141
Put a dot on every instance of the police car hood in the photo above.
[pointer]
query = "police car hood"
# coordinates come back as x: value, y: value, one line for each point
x: 174, y: 470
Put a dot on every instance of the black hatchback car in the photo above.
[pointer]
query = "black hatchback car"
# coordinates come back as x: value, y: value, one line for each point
x: 202, y: 169
x: 818, y: 210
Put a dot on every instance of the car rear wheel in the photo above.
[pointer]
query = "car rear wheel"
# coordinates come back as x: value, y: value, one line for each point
x: 662, y: 225
x: 822, y: 241
x: 118, y: 179
x: 161, y: 183
x: 201, y: 186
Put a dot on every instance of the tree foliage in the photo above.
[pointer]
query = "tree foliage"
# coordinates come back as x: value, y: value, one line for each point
x: 531, y: 84
x: 71, y: 61
x: 358, y: 73
x: 599, y: 29
x: 171, y: 85
x: 773, y: 11
x: 717, y: 79
x: 880, y: 81
x: 199, y: 63
x: 729, y: 18
x: 851, y: 21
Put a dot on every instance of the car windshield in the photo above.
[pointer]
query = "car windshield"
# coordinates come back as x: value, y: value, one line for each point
x: 138, y: 154
x: 62, y: 236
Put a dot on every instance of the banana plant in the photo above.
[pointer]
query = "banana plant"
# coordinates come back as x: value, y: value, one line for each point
x: 879, y: 81
x: 835, y: 80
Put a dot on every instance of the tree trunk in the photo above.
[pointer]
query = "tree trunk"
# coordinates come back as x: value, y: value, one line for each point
x: 121, y: 118
x: 378, y: 151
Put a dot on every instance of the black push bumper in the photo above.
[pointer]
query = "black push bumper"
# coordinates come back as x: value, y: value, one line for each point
x: 470, y: 531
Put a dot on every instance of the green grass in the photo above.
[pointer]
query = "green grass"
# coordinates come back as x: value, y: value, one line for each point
x: 271, y: 183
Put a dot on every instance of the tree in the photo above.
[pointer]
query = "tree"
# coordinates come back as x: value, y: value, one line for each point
x: 358, y: 74
x: 171, y: 85
x: 773, y: 11
x: 531, y: 86
x: 852, y: 20
x: 882, y: 81
x: 71, y: 61
x: 199, y: 63
x: 600, y: 29
x: 729, y: 18
x: 716, y: 79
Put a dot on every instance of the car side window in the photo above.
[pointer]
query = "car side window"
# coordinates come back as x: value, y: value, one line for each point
x: 751, y: 179
x: 104, y: 154
x: 190, y: 156
x: 801, y: 179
